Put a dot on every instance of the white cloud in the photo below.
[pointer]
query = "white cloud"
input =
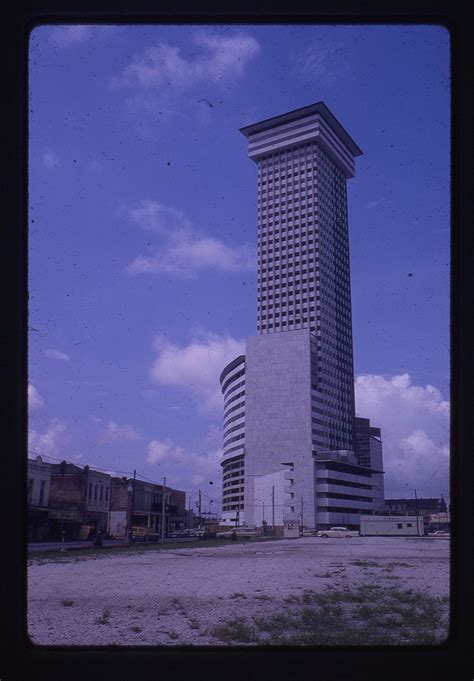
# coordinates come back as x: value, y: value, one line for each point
x: 35, y: 402
x: 49, y: 442
x: 115, y: 432
x: 415, y: 432
x: 218, y: 58
x: 197, y: 366
x: 57, y: 354
x: 63, y: 36
x: 377, y: 202
x: 184, y: 250
x: 50, y: 160
x: 157, y: 217
x: 325, y: 62
x: 188, y: 469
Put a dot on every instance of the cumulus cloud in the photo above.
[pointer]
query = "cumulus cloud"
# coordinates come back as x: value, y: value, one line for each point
x: 183, y: 250
x: 157, y: 217
x: 57, y: 354
x: 35, y: 402
x: 415, y: 432
x: 187, y: 469
x: 196, y: 367
x: 217, y: 58
x: 115, y: 432
x: 50, y: 160
x: 50, y: 441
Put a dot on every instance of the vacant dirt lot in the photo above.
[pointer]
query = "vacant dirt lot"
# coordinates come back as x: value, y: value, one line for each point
x: 310, y: 590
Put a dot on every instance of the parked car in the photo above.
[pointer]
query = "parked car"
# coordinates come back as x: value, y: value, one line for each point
x: 338, y: 532
x: 439, y: 533
x: 194, y: 533
x: 239, y: 532
x: 309, y: 532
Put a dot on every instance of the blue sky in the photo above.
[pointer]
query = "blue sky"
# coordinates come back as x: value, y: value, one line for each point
x: 142, y: 272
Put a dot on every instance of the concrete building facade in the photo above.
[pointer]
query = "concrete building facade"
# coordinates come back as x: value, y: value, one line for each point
x: 296, y: 380
x: 368, y: 450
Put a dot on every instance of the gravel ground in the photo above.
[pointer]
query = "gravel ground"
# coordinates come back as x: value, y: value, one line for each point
x: 177, y: 597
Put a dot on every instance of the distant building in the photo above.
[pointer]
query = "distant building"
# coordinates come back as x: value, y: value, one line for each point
x: 289, y: 400
x: 422, y: 505
x: 39, y: 484
x: 137, y: 503
x: 79, y: 497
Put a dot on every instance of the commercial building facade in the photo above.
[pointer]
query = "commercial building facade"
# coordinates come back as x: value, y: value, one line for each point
x: 73, y: 502
x: 39, y: 485
x: 290, y: 398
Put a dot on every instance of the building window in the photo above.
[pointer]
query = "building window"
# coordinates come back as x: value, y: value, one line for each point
x: 41, y: 494
x: 90, y: 491
x: 30, y: 489
x: 101, y: 492
x: 399, y: 526
x: 95, y: 492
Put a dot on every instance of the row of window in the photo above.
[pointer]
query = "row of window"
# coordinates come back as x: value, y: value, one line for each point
x: 97, y: 491
x: 232, y: 430
x: 233, y: 439
x: 236, y: 406
x: 31, y: 486
x: 348, y: 497
x: 233, y: 389
x: 238, y: 416
x: 342, y: 483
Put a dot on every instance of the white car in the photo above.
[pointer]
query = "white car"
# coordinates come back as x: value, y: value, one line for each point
x: 338, y: 532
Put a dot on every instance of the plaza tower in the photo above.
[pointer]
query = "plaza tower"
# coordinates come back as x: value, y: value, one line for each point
x: 296, y: 380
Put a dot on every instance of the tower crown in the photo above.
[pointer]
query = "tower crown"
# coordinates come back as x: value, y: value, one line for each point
x: 313, y: 123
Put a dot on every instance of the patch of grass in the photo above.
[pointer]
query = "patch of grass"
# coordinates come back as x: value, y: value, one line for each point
x: 263, y: 597
x: 68, y: 602
x: 365, y: 563
x: 104, y: 618
x: 173, y: 635
x: 237, y: 630
x: 326, y: 575
x: 136, y: 629
x: 238, y: 595
x: 368, y: 615
x: 194, y: 624
x: 69, y: 556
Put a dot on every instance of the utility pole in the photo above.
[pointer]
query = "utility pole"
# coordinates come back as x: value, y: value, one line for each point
x: 132, y: 504
x: 416, y: 513
x: 199, y: 508
x: 273, y: 509
x: 163, y: 512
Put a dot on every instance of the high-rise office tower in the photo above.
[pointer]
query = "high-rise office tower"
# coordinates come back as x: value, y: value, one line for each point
x: 289, y: 401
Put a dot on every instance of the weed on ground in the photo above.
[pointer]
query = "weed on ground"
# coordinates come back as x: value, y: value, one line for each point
x: 365, y: 616
x: 104, y: 618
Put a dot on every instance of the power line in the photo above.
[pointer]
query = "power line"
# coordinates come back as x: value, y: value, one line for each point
x: 97, y: 468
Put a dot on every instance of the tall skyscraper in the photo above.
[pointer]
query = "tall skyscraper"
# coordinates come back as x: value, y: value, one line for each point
x: 289, y: 400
